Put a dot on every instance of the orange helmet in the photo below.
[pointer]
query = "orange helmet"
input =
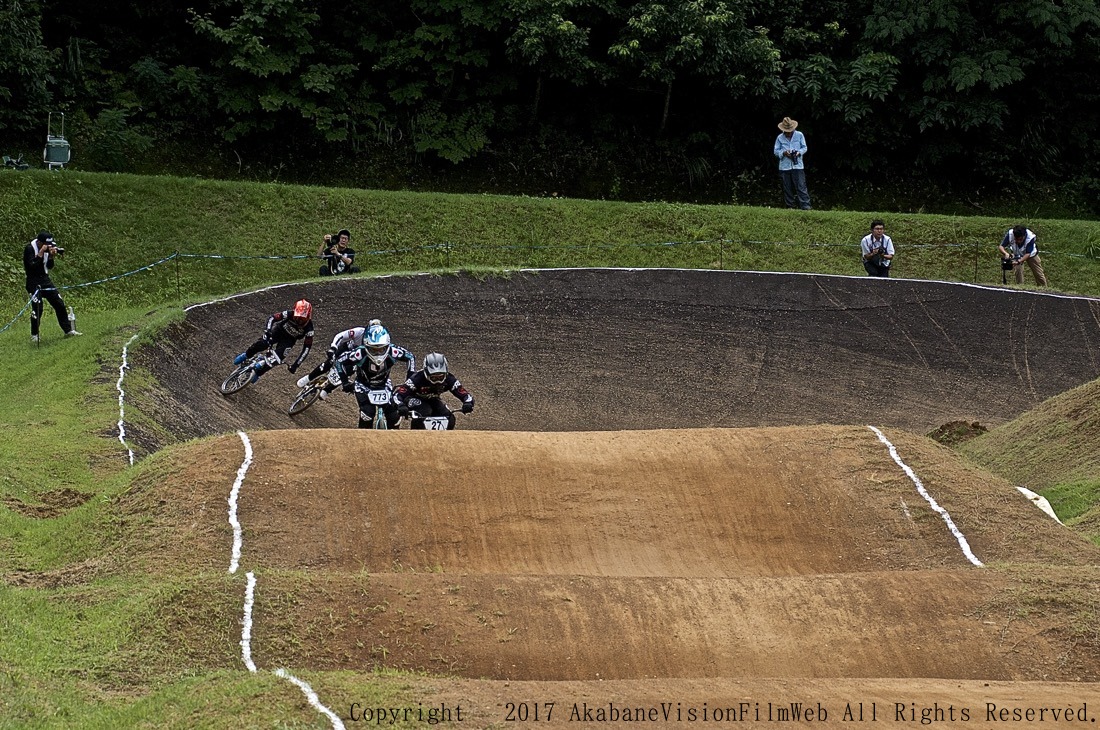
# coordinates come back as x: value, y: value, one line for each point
x: 303, y: 311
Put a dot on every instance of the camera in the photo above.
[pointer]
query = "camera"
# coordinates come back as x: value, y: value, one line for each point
x: 58, y: 250
x: 1007, y: 264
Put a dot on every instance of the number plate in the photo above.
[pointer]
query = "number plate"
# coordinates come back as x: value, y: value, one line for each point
x: 435, y: 423
x: 378, y: 397
x: 334, y: 377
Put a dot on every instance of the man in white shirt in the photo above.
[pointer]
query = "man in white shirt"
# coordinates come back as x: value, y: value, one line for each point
x: 1020, y: 246
x: 878, y: 250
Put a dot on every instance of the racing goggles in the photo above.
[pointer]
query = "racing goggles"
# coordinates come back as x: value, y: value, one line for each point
x: 437, y: 377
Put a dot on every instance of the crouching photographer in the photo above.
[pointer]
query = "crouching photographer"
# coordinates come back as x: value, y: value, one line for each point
x: 878, y: 250
x: 39, y: 257
x: 338, y: 255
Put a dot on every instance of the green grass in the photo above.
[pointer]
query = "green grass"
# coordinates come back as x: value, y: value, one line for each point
x: 1061, y: 459
x: 113, y: 224
x: 94, y: 635
x: 1073, y: 499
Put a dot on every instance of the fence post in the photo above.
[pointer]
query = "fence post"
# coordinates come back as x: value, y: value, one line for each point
x: 176, y: 254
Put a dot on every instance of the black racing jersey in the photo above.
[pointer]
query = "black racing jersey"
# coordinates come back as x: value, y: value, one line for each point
x: 375, y: 376
x: 281, y: 326
x: 355, y: 364
x: 282, y: 323
x: 418, y: 386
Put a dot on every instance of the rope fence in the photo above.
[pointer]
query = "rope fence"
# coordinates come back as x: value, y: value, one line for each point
x: 449, y: 249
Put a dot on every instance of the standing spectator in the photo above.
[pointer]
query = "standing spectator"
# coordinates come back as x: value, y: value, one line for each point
x: 39, y: 257
x: 878, y: 250
x: 339, y: 256
x: 790, y: 147
x: 1019, y: 245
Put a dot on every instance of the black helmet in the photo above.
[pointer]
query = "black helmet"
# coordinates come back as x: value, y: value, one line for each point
x: 435, y: 367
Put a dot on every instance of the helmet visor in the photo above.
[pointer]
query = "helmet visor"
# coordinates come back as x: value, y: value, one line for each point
x: 437, y: 377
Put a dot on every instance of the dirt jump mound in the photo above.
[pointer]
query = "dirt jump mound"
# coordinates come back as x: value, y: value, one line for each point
x: 648, y: 493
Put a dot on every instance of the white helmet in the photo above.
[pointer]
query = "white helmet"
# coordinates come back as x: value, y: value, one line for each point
x: 435, y: 367
x: 377, y: 342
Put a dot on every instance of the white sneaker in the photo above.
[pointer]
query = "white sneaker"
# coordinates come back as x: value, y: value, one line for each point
x: 323, y: 394
x: 34, y: 339
x: 73, y: 333
x: 303, y: 381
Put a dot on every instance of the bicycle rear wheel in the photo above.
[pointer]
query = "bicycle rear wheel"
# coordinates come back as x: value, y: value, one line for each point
x: 237, y: 380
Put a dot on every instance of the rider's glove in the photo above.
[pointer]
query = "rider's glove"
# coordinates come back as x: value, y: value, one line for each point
x: 403, y: 410
x: 468, y: 407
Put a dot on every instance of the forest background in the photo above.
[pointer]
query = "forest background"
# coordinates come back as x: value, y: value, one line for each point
x: 950, y: 106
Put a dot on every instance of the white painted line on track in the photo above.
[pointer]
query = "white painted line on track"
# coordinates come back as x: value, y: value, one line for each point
x: 246, y: 623
x: 312, y: 697
x: 888, y: 281
x: 238, y: 541
x: 238, y: 295
x: 250, y: 594
x: 928, y: 497
x: 1041, y: 502
x: 121, y: 396
x: 860, y: 277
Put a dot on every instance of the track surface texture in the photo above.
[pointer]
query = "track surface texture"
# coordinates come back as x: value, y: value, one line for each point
x: 649, y: 509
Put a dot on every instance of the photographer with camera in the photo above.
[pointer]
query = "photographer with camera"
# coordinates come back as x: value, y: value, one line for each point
x: 338, y: 255
x: 790, y: 148
x: 39, y: 257
x: 878, y: 250
x: 1019, y: 246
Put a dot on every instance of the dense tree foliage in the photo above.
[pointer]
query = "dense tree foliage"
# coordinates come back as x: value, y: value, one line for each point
x: 975, y: 92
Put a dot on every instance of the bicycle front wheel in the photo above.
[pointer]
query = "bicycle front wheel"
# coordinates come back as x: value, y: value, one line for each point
x: 237, y: 380
x: 304, y: 400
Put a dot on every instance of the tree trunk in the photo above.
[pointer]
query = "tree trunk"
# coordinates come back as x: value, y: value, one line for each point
x: 538, y: 98
x: 664, y: 114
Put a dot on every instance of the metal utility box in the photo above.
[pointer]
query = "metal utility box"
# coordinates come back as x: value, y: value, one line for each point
x: 57, y: 153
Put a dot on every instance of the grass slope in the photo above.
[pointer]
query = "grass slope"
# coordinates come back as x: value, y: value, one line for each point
x: 117, y: 223
x: 1053, y: 449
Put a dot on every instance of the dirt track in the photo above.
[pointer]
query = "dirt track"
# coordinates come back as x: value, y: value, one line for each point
x: 610, y: 350
x: 668, y: 565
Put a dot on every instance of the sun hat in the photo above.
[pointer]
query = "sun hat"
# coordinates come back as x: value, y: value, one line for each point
x: 788, y: 125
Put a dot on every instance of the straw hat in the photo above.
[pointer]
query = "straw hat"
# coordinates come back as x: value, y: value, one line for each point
x: 788, y: 125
